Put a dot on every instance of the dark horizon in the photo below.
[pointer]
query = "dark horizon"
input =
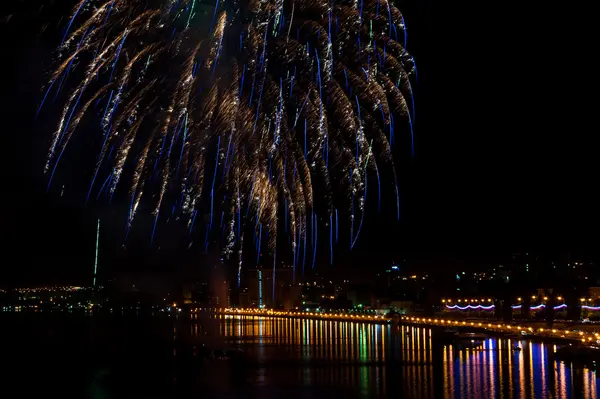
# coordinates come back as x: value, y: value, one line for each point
x: 500, y: 164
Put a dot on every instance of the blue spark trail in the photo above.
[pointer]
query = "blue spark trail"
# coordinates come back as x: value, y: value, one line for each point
x: 319, y: 73
x: 54, y: 169
x: 316, y: 241
x: 195, y: 213
x: 112, y: 148
x: 216, y: 58
x: 397, y: 195
x: 405, y: 32
x: 227, y: 155
x: 359, y: 124
x: 390, y: 21
x: 162, y: 147
x: 346, y: 76
x: 107, y: 105
x: 352, y: 215
x: 239, y: 217
x: 300, y: 112
x: 412, y: 98
x: 329, y: 44
x: 259, y: 240
x: 415, y: 69
x: 262, y: 55
x: 130, y: 216
x: 331, y: 239
x: 391, y: 131
x: 44, y: 99
x: 326, y: 144
x: 108, y: 14
x: 118, y: 55
x: 305, y: 138
x: 175, y: 136
x: 252, y: 89
x: 304, y: 248
x: 172, y: 6
x: 292, y: 81
x: 361, y: 11
x: 68, y: 69
x: 98, y: 167
x: 257, y: 214
x: 299, y: 240
x: 251, y: 194
x: 154, y: 228
x: 232, y: 158
x: 382, y: 112
x: 295, y: 251
x: 185, y: 131
x: 212, y: 190
x: 242, y: 81
x: 212, y: 23
x: 71, y: 22
x: 362, y: 216
x: 395, y: 32
x: 71, y: 115
x: 108, y: 193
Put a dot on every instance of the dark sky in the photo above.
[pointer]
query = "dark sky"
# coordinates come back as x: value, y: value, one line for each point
x: 503, y: 160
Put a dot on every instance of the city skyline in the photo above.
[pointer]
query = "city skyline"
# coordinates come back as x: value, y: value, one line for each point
x: 483, y: 182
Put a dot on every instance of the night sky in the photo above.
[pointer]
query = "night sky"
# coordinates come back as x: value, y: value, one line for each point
x: 503, y: 160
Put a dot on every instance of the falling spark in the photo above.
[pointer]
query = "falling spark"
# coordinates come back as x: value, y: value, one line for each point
x: 304, y: 101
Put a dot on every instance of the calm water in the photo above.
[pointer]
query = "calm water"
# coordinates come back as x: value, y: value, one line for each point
x: 129, y: 356
x: 377, y: 360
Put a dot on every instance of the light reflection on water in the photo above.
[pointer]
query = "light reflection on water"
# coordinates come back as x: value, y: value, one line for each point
x: 386, y: 360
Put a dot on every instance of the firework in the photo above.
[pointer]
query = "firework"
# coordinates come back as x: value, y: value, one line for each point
x: 258, y: 112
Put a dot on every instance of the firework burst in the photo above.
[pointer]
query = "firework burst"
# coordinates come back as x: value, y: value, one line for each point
x: 254, y: 114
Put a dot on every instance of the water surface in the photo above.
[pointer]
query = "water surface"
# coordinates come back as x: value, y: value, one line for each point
x: 159, y: 356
